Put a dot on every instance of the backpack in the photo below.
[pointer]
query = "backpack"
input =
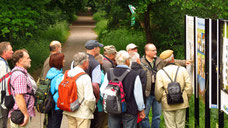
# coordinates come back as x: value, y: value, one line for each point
x: 44, y: 99
x: 7, y: 98
x: 114, y: 96
x: 174, y: 95
x: 68, y: 98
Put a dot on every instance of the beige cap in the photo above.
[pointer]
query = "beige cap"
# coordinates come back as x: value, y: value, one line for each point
x: 131, y: 46
x: 110, y: 49
x: 166, y: 54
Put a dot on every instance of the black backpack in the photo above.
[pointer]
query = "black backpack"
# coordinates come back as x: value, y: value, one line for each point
x: 174, y: 95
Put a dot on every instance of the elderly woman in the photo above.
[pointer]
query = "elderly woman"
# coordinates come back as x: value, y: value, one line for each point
x: 133, y: 93
x: 55, y: 74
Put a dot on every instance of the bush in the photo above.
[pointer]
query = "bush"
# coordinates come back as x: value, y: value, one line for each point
x: 38, y: 46
x: 101, y: 27
x: 100, y: 15
x: 120, y: 38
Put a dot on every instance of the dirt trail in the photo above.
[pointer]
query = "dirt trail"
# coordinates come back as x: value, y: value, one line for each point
x: 80, y: 32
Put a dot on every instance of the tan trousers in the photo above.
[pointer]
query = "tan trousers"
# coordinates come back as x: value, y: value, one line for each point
x: 175, y: 119
x: 13, y: 125
x: 75, y: 122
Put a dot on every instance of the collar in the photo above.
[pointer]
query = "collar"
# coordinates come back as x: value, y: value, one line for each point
x: 21, y: 69
x: 122, y: 66
x: 170, y: 64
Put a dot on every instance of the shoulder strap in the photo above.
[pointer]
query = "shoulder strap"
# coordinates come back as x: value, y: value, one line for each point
x: 120, y: 78
x: 78, y: 75
x: 176, y: 74
x: 169, y: 76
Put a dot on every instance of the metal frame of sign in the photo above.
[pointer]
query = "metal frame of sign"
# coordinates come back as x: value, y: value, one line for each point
x: 213, y: 65
x: 196, y: 97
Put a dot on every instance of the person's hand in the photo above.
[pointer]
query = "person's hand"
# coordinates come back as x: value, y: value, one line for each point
x: 189, y: 62
x: 26, y: 119
x: 96, y: 91
x: 142, y: 114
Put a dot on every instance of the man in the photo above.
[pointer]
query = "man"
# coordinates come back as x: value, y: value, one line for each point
x: 133, y: 94
x: 131, y: 48
x: 174, y: 115
x: 109, y: 58
x: 6, y: 53
x: 94, y: 71
x: 151, y: 63
x: 136, y: 65
x: 81, y: 118
x: 23, y: 86
x: 55, y: 47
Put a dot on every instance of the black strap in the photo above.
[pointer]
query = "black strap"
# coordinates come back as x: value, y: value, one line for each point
x: 169, y: 76
x: 31, y: 94
x: 109, y: 61
x: 120, y: 78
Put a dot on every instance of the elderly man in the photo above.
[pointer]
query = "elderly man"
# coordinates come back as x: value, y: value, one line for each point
x: 82, y: 117
x: 133, y: 90
x: 23, y: 87
x: 109, y: 58
x: 94, y: 71
x: 131, y: 48
x: 55, y: 47
x: 174, y: 114
x: 151, y: 63
x: 6, y: 53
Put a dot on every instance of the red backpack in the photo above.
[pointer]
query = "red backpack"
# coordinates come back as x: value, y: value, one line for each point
x: 68, y: 98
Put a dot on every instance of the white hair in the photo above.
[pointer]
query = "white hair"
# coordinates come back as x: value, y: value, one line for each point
x: 121, y: 57
x: 134, y: 56
x: 169, y: 59
x: 80, y: 58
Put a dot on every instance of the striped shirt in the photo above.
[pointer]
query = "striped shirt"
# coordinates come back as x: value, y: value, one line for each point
x: 21, y: 84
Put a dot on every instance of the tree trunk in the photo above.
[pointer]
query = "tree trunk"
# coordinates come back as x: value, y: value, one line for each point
x: 147, y: 26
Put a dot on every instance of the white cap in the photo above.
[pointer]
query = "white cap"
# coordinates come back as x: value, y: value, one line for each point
x: 131, y: 46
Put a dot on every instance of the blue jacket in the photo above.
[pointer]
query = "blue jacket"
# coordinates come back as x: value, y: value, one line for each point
x: 56, y: 77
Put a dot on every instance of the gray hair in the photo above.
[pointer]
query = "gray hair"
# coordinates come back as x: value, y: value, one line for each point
x: 3, y: 47
x: 121, y: 57
x: 169, y: 59
x: 133, y: 56
x: 80, y: 58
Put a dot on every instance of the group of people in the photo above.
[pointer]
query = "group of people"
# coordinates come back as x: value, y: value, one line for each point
x: 145, y: 86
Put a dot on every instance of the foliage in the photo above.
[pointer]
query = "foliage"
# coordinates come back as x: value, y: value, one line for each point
x: 162, y: 21
x: 101, y: 27
x: 23, y: 19
x: 38, y: 47
x: 100, y: 15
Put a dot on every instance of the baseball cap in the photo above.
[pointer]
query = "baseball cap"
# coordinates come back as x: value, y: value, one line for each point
x: 91, y: 44
x: 110, y: 49
x: 131, y: 46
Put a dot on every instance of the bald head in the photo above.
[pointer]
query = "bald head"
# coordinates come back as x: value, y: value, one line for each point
x: 150, y: 51
x: 55, y: 47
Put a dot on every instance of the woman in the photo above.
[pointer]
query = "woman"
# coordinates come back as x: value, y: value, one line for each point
x: 55, y: 74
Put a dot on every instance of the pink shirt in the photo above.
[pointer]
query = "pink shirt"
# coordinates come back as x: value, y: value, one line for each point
x: 21, y: 84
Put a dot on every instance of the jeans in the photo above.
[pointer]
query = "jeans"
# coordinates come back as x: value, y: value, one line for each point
x: 156, y: 113
x: 55, y: 119
x: 128, y: 120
